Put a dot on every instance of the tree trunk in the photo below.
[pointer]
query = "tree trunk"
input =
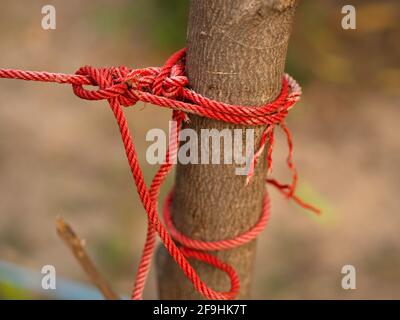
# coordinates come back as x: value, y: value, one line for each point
x: 236, y: 54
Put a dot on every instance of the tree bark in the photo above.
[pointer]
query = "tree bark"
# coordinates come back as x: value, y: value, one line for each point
x: 236, y: 53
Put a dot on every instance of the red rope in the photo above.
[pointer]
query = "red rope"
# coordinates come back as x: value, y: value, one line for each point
x: 168, y: 87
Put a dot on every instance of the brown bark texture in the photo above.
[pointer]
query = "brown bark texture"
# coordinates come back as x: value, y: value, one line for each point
x: 236, y: 53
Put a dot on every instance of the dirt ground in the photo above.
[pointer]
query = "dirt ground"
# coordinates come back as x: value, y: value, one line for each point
x: 60, y: 155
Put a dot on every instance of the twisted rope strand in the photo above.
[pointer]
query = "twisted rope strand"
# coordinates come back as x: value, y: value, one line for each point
x: 168, y: 87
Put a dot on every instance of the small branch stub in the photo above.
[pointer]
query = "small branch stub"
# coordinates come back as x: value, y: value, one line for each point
x: 76, y: 245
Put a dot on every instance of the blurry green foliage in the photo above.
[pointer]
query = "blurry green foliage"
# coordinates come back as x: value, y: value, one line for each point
x: 307, y: 193
x: 321, y: 51
x: 11, y: 292
x: 165, y: 20
x: 161, y: 23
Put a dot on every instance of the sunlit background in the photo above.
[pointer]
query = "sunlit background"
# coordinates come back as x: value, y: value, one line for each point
x: 62, y: 156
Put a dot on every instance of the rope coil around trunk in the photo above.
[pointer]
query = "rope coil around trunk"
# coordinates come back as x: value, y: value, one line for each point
x: 168, y: 87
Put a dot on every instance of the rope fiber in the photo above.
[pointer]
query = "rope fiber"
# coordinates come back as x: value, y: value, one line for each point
x: 168, y: 87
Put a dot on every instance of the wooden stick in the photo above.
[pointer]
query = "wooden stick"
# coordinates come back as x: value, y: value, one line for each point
x: 236, y: 54
x: 76, y: 245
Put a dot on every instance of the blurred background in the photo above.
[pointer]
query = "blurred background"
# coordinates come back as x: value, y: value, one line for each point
x: 62, y: 156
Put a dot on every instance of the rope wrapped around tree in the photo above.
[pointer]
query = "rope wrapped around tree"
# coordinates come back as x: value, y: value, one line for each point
x: 168, y: 87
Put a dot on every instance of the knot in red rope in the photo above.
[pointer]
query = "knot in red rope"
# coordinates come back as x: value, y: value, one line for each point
x: 126, y: 85
x: 109, y: 83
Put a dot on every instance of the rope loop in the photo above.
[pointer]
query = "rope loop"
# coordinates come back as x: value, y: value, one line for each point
x: 218, y: 264
x: 227, y: 244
